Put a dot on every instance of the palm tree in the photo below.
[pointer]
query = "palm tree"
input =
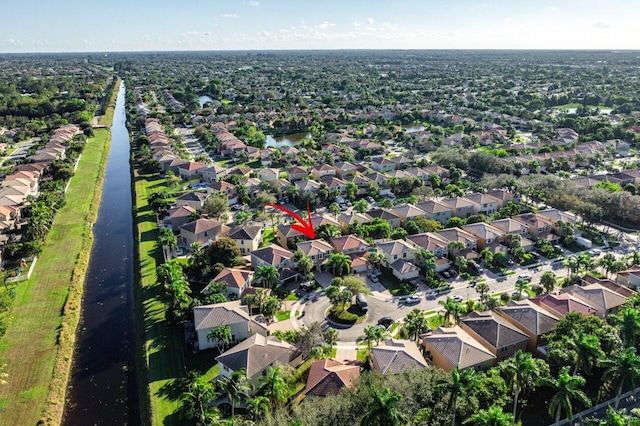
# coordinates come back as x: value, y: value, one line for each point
x: 548, y: 281
x: 252, y: 301
x: 331, y: 336
x: 236, y: 387
x: 166, y: 237
x: 268, y: 275
x: 416, y: 323
x: 372, y: 333
x: 522, y: 286
x: 258, y: 406
x: 375, y: 258
x: 382, y: 410
x: 567, y: 389
x: 334, y: 209
x: 305, y: 265
x: 199, y: 256
x: 494, y: 416
x: 426, y: 260
x: 624, y: 369
x: 572, y: 265
x: 483, y: 290
x: 221, y: 335
x: 458, y: 385
x: 607, y: 261
x: 451, y: 309
x: 522, y: 373
x: 460, y: 262
x: 340, y: 262
x: 455, y: 247
x: 628, y: 322
x: 587, y: 351
x: 195, y: 402
x: 273, y: 385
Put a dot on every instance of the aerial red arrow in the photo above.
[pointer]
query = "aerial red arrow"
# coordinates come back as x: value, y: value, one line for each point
x: 303, y: 226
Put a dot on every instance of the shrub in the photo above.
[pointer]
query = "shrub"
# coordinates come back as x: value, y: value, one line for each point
x: 342, y: 316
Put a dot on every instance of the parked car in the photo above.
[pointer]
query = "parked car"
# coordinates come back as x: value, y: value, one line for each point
x: 414, y: 284
x: 525, y: 277
x: 409, y: 300
x: 457, y: 298
x: 370, y: 199
x: 446, y: 274
x: 386, y: 322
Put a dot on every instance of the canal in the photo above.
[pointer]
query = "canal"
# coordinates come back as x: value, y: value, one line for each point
x: 103, y: 385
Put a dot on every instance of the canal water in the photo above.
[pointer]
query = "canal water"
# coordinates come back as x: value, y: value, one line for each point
x: 103, y: 385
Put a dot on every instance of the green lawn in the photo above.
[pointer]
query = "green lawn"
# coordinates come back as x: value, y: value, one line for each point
x: 161, y: 343
x: 391, y: 283
x: 268, y: 237
x: 38, y: 344
x: 107, y: 118
x: 283, y: 315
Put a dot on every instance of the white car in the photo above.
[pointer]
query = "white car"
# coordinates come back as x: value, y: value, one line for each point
x: 412, y: 299
x: 525, y: 277
x: 457, y: 298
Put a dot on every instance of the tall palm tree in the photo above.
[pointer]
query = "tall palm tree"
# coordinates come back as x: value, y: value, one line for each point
x: 372, y: 333
x: 375, y: 258
x: 572, y: 265
x: 494, y: 416
x: 548, y: 281
x: 426, y: 260
x: 522, y: 372
x: 196, y: 402
x: 331, y: 336
x: 588, y: 351
x: 382, y: 410
x: 258, y: 406
x: 522, y: 286
x: 567, y: 390
x: 305, y: 265
x: 624, y: 369
x: 340, y: 262
x: 268, y: 275
x: 483, y: 290
x: 607, y: 261
x: 236, y: 387
x: 628, y: 323
x: 416, y: 323
x: 199, y: 256
x: 458, y: 385
x: 455, y: 247
x: 273, y: 385
x: 451, y: 309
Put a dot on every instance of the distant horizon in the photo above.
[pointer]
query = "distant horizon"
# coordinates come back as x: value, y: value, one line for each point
x: 72, y: 26
x: 102, y: 52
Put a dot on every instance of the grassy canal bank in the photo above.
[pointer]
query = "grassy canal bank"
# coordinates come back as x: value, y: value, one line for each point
x: 39, y: 342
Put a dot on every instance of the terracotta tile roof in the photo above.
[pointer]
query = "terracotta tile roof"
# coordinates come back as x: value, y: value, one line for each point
x: 457, y: 347
x: 347, y: 242
x: 273, y: 254
x: 484, y: 230
x: 183, y: 211
x: 563, y: 303
x: 328, y: 376
x: 233, y: 278
x: 395, y: 247
x: 203, y: 225
x: 494, y: 329
x: 314, y: 247
x: 510, y: 226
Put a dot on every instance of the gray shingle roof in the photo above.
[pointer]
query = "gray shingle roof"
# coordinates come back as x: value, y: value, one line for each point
x: 497, y: 331
x: 255, y: 354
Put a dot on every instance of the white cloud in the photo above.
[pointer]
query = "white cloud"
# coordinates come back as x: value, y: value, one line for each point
x: 357, y: 24
x: 508, y: 19
x: 601, y: 24
x: 229, y: 15
x: 370, y: 21
x: 254, y: 3
x: 326, y: 25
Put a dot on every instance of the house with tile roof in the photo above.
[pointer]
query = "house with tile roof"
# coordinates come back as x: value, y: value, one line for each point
x: 503, y: 197
x: 394, y: 250
x: 194, y: 199
x: 318, y: 250
x: 460, y: 206
x: 255, y: 355
x: 213, y: 173
x: 387, y: 215
x: 178, y: 216
x: 537, y: 225
x: 611, y: 285
x: 498, y: 335
x: 486, y: 234
x: 531, y: 319
x: 395, y: 356
x: 436, y: 210
x: 191, y: 170
x: 605, y: 301
x: 563, y: 303
x: 430, y: 241
x: 248, y: 237
x: 233, y: 314
x: 483, y: 203
x: 349, y: 244
x: 408, y: 212
x: 452, y: 347
x: 288, y: 237
x: 202, y: 231
x: 469, y: 240
x: 329, y: 377
x: 630, y: 277
x: 237, y: 281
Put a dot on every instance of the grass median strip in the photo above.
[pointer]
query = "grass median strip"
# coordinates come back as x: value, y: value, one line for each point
x: 38, y: 345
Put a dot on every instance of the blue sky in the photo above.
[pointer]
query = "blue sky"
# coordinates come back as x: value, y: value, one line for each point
x: 134, y: 25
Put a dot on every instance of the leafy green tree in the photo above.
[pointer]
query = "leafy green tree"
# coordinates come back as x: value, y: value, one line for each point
x: 334, y: 209
x: 195, y: 402
x: 483, y: 291
x: 622, y: 370
x: 548, y: 281
x: 493, y: 416
x: 383, y: 409
x: 458, y: 385
x: 416, y: 323
x: 355, y: 284
x: 268, y: 275
x: 331, y: 336
x: 258, y: 407
x: 340, y: 262
x: 270, y: 307
x: 452, y: 309
x: 628, y: 323
x: 522, y: 372
x: 305, y: 265
x: 372, y: 334
x: 236, y: 387
x: 274, y: 386
x: 360, y: 206
x: 566, y: 389
x: 216, y: 204
x: 221, y: 335
x: 224, y: 251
